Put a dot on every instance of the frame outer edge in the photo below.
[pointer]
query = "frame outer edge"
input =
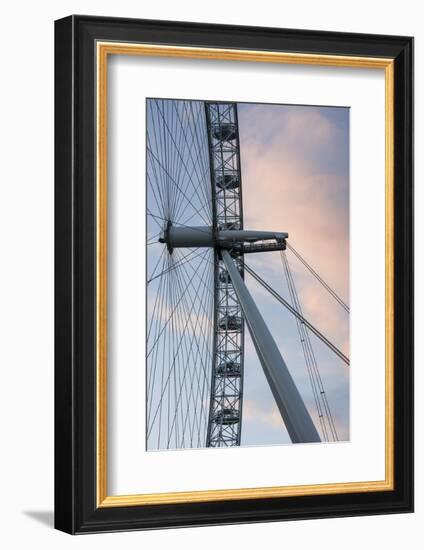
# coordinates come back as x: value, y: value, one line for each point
x: 405, y: 336
x: 64, y: 447
x: 70, y: 516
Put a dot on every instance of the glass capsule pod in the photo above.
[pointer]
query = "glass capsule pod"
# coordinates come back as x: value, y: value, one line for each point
x: 226, y: 131
x: 230, y: 322
x: 230, y: 369
x: 226, y: 416
x: 229, y: 225
x: 229, y: 180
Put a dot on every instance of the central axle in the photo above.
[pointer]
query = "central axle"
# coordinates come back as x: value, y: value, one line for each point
x: 242, y: 240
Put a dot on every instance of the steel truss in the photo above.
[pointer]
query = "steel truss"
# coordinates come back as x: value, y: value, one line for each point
x: 225, y: 411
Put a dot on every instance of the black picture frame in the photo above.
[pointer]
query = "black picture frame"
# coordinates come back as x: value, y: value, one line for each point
x: 76, y: 509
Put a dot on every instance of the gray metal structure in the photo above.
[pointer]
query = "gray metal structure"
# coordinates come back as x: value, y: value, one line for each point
x: 226, y: 395
x: 290, y: 404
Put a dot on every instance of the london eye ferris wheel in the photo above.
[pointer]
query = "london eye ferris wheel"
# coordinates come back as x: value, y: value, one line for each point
x: 198, y: 305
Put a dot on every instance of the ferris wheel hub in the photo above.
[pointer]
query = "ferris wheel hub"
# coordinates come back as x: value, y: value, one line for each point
x: 230, y: 239
x: 164, y: 236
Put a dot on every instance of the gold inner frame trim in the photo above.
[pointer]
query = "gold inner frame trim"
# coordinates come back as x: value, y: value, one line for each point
x: 103, y: 50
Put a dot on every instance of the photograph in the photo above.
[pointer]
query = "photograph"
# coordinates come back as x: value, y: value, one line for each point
x: 247, y: 274
x: 233, y: 272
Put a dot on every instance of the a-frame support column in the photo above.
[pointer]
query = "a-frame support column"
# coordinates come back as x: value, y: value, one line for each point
x: 289, y: 401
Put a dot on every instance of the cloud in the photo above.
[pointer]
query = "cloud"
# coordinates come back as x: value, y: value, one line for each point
x: 268, y: 415
x: 295, y: 179
x: 285, y: 188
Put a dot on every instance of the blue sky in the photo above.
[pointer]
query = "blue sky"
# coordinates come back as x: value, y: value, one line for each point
x: 295, y: 170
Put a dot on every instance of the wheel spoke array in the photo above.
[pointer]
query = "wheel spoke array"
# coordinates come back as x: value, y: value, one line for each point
x: 180, y: 297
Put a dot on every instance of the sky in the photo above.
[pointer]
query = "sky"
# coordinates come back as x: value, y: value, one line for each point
x: 295, y: 173
x: 295, y: 179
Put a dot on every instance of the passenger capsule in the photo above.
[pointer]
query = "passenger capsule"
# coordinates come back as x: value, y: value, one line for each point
x: 225, y: 131
x: 230, y: 322
x: 224, y: 276
x: 226, y: 417
x: 229, y: 226
x: 227, y: 181
x: 230, y: 369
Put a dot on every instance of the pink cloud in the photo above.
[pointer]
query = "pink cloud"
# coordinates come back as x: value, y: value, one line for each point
x: 288, y: 187
x: 285, y: 191
x: 256, y: 412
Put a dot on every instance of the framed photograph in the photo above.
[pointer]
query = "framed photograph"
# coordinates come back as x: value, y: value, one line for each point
x: 234, y: 269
